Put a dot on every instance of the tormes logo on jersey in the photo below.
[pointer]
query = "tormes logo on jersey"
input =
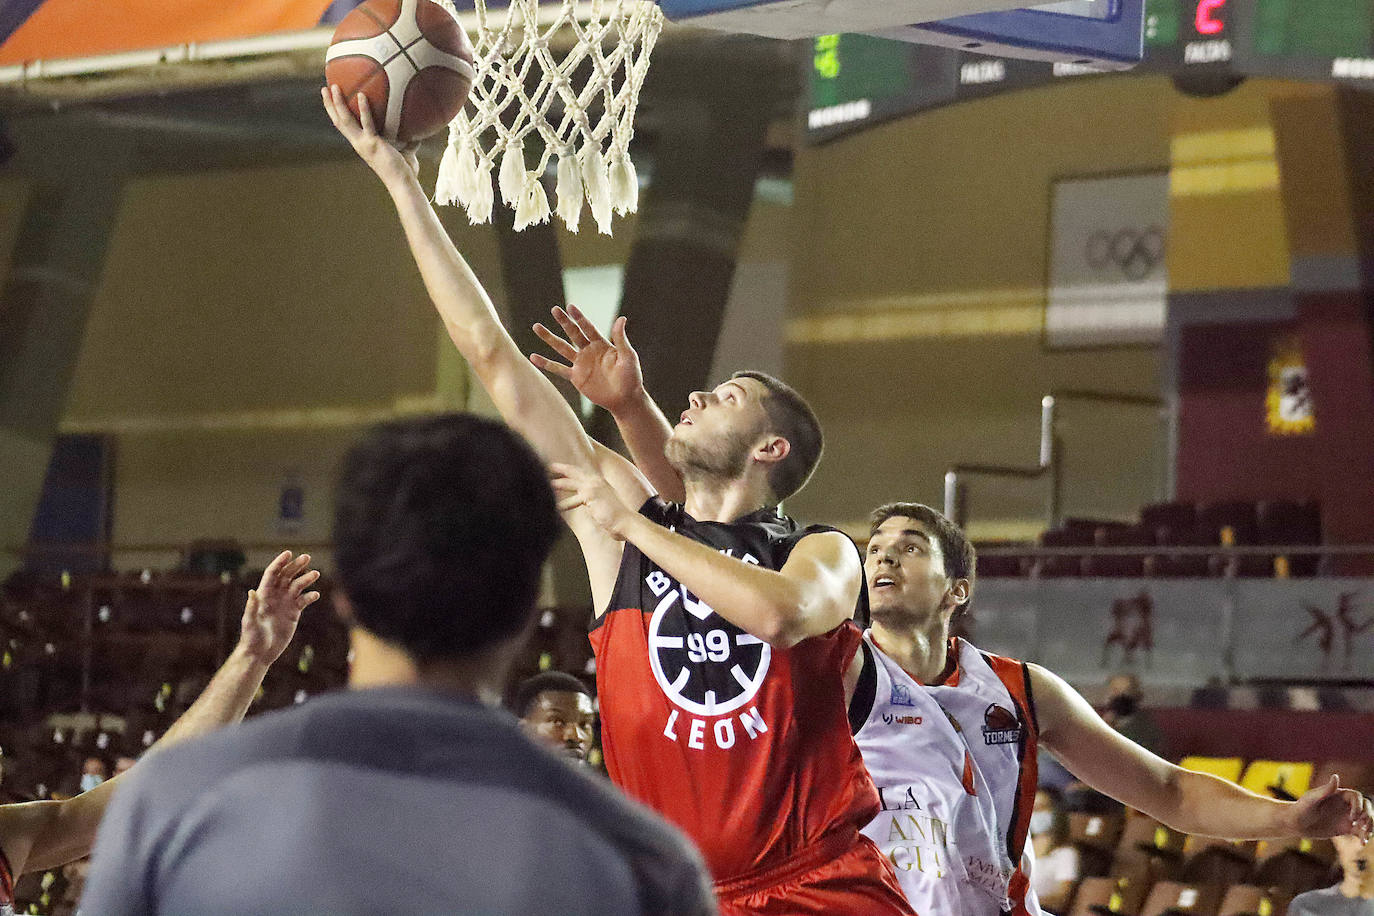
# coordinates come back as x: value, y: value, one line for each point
x: 706, y: 666
x: 1000, y: 726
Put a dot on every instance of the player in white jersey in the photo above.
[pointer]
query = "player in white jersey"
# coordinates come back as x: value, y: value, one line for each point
x: 919, y: 569
x: 938, y: 821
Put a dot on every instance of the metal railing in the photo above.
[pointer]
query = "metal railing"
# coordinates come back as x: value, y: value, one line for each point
x: 1051, y: 461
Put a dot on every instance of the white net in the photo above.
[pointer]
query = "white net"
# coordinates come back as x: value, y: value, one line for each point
x: 521, y: 89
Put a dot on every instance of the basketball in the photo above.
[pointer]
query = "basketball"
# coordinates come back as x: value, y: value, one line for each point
x: 410, y: 58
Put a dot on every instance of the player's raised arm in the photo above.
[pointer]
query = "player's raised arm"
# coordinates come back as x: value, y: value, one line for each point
x: 46, y: 834
x: 526, y: 400
x: 1190, y: 802
x: 607, y: 373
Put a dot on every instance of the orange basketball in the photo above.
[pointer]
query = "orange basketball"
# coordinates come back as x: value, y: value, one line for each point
x: 410, y: 58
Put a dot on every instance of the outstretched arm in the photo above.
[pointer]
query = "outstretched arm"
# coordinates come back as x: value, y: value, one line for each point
x: 814, y: 592
x: 46, y: 834
x: 525, y: 399
x: 608, y: 373
x: 1190, y: 802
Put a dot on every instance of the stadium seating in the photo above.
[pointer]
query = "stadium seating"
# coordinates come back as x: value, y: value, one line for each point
x: 1273, y: 523
x: 1173, y: 897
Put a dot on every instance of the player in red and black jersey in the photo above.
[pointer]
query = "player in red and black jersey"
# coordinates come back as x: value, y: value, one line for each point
x: 40, y: 835
x: 722, y: 628
x: 919, y: 570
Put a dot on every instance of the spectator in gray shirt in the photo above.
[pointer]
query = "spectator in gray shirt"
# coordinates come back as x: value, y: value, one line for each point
x: 410, y: 793
x: 1354, y: 896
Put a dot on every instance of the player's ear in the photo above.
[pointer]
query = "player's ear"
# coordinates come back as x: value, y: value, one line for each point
x: 959, y: 591
x: 772, y: 450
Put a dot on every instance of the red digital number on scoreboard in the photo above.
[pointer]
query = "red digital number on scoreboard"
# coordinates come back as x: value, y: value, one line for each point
x: 1206, y: 19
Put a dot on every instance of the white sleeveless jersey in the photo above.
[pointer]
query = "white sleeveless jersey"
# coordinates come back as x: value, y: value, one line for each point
x: 938, y: 824
x: 991, y: 697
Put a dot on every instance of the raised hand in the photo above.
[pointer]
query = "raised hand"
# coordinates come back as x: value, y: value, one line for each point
x: 380, y: 155
x: 577, y: 488
x: 274, y: 608
x: 1329, y: 810
x: 605, y: 372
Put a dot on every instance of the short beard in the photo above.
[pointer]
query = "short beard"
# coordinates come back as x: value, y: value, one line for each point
x: 718, y: 461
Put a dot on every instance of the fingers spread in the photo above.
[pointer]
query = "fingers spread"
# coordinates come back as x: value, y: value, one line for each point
x: 304, y: 601
x: 569, y: 503
x: 303, y: 582
x: 273, y: 570
x: 556, y: 343
x: 570, y: 327
x: 618, y: 335
x: 551, y: 367
x: 584, y: 324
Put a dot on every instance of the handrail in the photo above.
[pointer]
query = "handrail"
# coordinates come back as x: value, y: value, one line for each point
x: 1249, y: 550
x: 1051, y: 452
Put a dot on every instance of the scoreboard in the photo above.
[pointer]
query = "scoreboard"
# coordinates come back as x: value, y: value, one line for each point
x: 1307, y: 39
x: 859, y: 80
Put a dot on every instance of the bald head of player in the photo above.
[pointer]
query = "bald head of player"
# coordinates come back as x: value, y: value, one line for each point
x: 441, y: 528
x: 557, y: 708
x: 751, y: 429
x: 919, y: 568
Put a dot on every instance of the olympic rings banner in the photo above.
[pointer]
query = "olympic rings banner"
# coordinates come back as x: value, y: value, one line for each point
x: 51, y: 29
x: 1108, y: 282
x: 1181, y: 632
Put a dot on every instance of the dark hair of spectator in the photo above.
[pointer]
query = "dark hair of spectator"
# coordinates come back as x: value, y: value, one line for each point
x: 792, y: 418
x: 546, y: 682
x: 960, y: 557
x: 441, y: 528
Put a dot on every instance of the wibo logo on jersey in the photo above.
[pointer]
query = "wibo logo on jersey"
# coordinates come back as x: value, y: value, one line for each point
x: 705, y: 665
x: 1000, y: 726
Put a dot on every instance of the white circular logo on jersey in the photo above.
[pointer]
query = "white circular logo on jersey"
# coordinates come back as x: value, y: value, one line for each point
x: 705, y: 664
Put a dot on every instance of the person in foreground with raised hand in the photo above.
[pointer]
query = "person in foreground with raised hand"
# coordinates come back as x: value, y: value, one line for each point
x: 40, y: 835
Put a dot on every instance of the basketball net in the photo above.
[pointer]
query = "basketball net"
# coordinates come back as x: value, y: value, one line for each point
x: 518, y: 83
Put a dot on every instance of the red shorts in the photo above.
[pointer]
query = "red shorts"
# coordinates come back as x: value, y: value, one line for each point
x: 845, y: 874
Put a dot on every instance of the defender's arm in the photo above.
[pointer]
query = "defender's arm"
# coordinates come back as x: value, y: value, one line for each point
x: 1190, y: 802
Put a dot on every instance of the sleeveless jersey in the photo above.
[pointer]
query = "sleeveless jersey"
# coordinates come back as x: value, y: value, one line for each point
x: 938, y: 823
x: 744, y: 746
x: 991, y: 697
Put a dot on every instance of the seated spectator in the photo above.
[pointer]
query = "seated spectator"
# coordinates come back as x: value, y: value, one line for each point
x: 409, y: 793
x: 557, y: 709
x: 1125, y: 713
x: 1354, y: 896
x: 1057, y: 866
x: 93, y: 773
x: 124, y: 763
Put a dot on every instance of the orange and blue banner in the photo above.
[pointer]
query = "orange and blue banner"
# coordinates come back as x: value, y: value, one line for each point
x: 51, y: 29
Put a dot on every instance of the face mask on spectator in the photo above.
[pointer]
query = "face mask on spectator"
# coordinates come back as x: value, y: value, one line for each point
x: 1041, y: 822
x: 1123, y: 704
x: 90, y: 780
